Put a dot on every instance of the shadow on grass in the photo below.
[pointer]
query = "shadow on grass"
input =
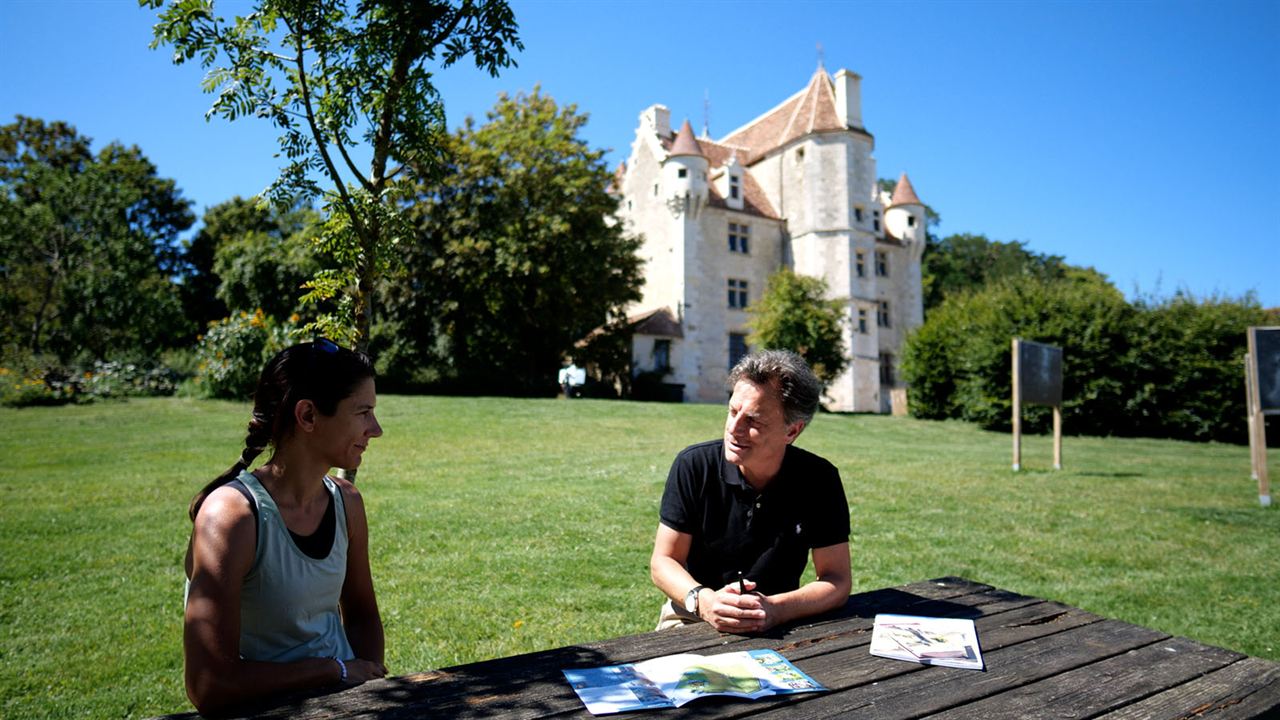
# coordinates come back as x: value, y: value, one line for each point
x: 1112, y: 474
x: 1253, y: 517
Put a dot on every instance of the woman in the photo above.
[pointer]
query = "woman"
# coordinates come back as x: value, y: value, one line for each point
x: 279, y: 594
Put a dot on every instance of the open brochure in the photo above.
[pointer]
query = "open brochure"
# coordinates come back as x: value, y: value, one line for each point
x: 673, y: 680
x: 931, y: 641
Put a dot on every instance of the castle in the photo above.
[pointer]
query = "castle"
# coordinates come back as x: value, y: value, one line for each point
x: 797, y: 188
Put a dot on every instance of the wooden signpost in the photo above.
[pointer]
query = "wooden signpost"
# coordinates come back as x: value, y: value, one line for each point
x: 1262, y: 397
x: 1037, y: 379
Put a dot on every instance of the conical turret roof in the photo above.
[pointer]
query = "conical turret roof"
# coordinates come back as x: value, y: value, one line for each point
x: 904, y: 194
x: 686, y: 143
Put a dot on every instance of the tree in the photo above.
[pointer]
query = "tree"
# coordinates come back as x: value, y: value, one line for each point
x: 262, y: 256
x: 221, y: 224
x: 87, y: 246
x: 794, y: 314
x: 517, y: 255
x: 323, y: 71
x: 968, y: 262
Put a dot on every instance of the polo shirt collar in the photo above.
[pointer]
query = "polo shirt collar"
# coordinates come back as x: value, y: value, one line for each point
x: 732, y: 474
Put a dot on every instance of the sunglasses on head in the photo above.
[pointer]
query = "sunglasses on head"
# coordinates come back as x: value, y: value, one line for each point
x: 324, y: 345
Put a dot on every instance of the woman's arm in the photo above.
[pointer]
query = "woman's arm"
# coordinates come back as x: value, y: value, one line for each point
x: 360, y: 614
x: 221, y: 553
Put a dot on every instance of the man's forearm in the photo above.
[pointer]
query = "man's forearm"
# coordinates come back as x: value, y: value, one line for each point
x: 671, y: 577
x: 816, y: 597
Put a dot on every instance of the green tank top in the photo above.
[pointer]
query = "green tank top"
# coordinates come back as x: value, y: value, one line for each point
x: 289, y: 601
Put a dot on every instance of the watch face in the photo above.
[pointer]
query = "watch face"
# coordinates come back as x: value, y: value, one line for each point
x: 691, y: 600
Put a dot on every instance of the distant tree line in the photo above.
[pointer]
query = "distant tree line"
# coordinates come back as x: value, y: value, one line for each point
x: 512, y: 259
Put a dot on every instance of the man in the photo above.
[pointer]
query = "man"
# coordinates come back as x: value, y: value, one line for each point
x: 740, y: 515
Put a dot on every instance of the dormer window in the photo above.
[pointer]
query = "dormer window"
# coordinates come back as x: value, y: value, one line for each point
x: 734, y: 189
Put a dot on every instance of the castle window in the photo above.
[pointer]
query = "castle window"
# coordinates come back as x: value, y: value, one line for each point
x: 882, y: 314
x: 862, y: 321
x: 737, y: 294
x: 860, y: 264
x: 739, y: 238
x: 886, y: 368
x: 882, y: 264
x: 737, y: 348
x: 876, y: 223
x: 682, y: 172
x: 911, y: 221
x: 733, y: 187
x: 662, y: 355
x: 799, y: 154
x: 857, y: 214
x: 655, y: 189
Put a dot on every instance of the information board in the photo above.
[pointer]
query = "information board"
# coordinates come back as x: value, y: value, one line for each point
x: 1266, y: 343
x: 1040, y: 373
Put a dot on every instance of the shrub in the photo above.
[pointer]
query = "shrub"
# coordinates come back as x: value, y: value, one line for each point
x: 43, y: 381
x: 231, y: 354
x: 1190, y: 367
x: 958, y: 364
x: 25, y: 386
x: 1160, y: 369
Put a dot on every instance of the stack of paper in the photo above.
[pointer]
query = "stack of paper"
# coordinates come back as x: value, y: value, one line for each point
x: 927, y: 640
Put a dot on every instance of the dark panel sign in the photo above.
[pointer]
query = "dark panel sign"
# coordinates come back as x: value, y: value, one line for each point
x: 1266, y: 343
x: 1040, y: 373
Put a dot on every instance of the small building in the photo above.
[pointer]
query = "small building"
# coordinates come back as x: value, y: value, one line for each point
x: 796, y: 187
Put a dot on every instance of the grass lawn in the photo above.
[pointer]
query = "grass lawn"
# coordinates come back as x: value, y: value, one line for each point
x: 500, y: 526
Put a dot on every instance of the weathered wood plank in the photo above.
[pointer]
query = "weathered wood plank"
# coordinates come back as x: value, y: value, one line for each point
x: 1041, y: 657
x: 1034, y: 618
x: 853, y: 671
x: 1246, y: 689
x: 879, y: 689
x: 477, y: 680
x: 1102, y: 686
x: 545, y: 689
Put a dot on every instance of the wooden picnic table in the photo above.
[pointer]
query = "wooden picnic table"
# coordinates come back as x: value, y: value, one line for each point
x: 1043, y: 659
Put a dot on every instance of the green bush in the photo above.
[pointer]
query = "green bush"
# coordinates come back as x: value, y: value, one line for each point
x: 1168, y: 369
x: 1189, y: 364
x: 958, y: 364
x: 26, y: 385
x: 33, y: 381
x: 231, y: 354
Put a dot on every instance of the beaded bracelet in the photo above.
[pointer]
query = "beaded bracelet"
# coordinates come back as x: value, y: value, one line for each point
x: 341, y: 666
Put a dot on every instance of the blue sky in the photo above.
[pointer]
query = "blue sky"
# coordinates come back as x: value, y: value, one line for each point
x: 1140, y: 138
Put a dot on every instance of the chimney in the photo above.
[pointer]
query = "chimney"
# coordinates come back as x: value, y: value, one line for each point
x: 657, y: 118
x: 849, y: 98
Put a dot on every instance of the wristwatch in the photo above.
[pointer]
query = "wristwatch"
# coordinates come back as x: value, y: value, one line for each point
x: 691, y: 599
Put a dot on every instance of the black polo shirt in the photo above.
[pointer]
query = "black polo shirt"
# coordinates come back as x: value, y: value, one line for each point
x: 764, y: 536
